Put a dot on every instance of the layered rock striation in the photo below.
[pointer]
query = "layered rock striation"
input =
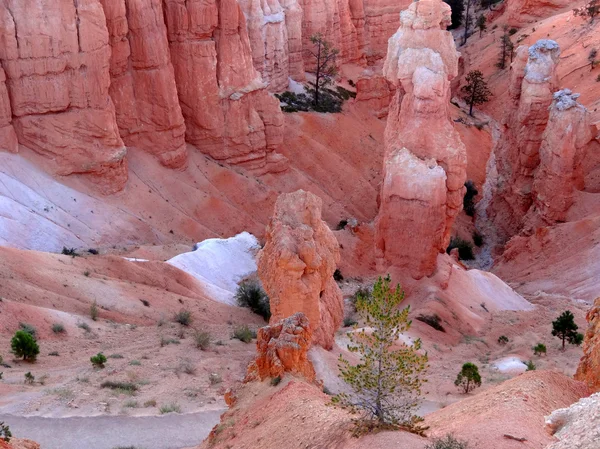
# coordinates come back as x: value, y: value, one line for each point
x: 538, y: 158
x: 589, y: 366
x: 297, y: 263
x: 425, y: 159
x: 283, y: 348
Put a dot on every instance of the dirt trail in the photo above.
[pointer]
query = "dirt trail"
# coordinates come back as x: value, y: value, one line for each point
x: 171, y: 431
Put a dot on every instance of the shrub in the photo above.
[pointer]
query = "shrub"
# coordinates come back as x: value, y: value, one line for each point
x: 349, y: 321
x: 173, y: 407
x: 145, y: 302
x: 135, y: 363
x: 69, y: 252
x: 465, y: 249
x: 477, y: 239
x: 202, y: 340
x: 84, y: 326
x: 512, y: 31
x: 31, y: 330
x: 131, y: 403
x: 5, y: 432
x: 58, y: 328
x: 29, y: 378
x: 275, y: 381
x: 183, y: 317
x: 539, y: 349
x: 468, y: 378
x: 54, y: 353
x: 448, y: 442
x: 502, y: 339
x: 116, y: 356
x: 243, y: 333
x: 530, y: 366
x: 251, y: 295
x: 433, y: 321
x: 164, y: 341
x: 186, y: 367
x: 564, y: 327
x: 470, y: 194
x: 337, y: 275
x: 126, y: 387
x: 98, y: 360
x: 363, y: 293
x: 94, y: 311
x: 24, y: 345
x: 214, y: 378
x: 150, y: 403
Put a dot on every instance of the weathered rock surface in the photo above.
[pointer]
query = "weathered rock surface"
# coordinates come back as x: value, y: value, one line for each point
x: 589, y: 366
x: 420, y: 138
x: 56, y: 58
x: 578, y: 426
x: 521, y: 12
x: 142, y: 80
x: 19, y: 443
x: 374, y: 93
x: 283, y: 348
x: 297, y: 263
x: 517, y: 155
x: 562, y: 153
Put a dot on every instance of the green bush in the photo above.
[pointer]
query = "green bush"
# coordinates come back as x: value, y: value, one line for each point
x: 251, y: 295
x: 433, y: 321
x: 123, y: 386
x: 502, y: 339
x: 24, y: 345
x: 69, y: 252
x: 448, y: 442
x: 530, y: 366
x: 243, y: 333
x: 361, y: 293
x: 5, y: 432
x: 275, y: 381
x: 539, y: 349
x: 465, y: 249
x: 29, y: 378
x: 98, y: 360
x: 468, y: 378
x: 173, y: 407
x: 202, y: 340
x: 183, y: 317
x: 58, y: 328
x: 31, y: 330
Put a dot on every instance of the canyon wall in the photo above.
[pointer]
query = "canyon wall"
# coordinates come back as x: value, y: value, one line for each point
x: 539, y: 156
x: 297, y: 263
x: 425, y: 159
x: 588, y: 370
x: 521, y: 12
x: 80, y: 80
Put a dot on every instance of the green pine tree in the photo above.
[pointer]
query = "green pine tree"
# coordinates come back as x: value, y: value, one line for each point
x: 564, y: 327
x: 386, y: 383
x: 468, y: 378
x: 476, y: 90
x: 23, y: 344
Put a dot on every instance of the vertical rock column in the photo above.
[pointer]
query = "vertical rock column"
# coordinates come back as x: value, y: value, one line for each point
x: 55, y: 54
x: 142, y: 80
x: 424, y: 160
x: 297, y: 263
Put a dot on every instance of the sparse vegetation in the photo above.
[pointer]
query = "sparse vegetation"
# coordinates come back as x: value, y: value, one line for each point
x: 58, y: 328
x: 363, y: 293
x: 530, y: 365
x: 465, y: 249
x: 31, y: 330
x: 386, y: 383
x: 54, y: 353
x: 433, y: 321
x: 589, y: 10
x: 94, y: 311
x: 185, y: 366
x: 214, y: 378
x: 5, y: 432
x: 135, y: 363
x: 98, y: 360
x: 183, y: 317
x: 124, y: 387
x: 116, y: 356
x: 470, y: 194
x: 476, y: 90
x: 337, y: 275
x: 172, y: 407
x: 592, y: 59
x: 23, y: 345
x: 251, y: 295
x: 84, y: 326
x: 539, y: 349
x: 150, y: 403
x: 448, y: 442
x: 325, y: 68
x: 29, y: 378
x: 506, y: 49
x: 349, y: 322
x: 131, y: 403
x: 243, y: 333
x: 164, y: 341
x: 468, y: 378
x: 481, y: 24
x: 275, y: 381
x: 564, y: 327
x: 502, y: 339
x: 69, y: 252
x: 202, y: 339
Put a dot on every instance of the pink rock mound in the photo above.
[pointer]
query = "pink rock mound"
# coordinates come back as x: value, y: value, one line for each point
x: 425, y: 159
x: 229, y: 114
x: 521, y: 12
x: 297, y: 263
x: 56, y: 57
x: 283, y: 348
x: 19, y: 443
x: 589, y: 366
x: 517, y: 156
x: 142, y: 80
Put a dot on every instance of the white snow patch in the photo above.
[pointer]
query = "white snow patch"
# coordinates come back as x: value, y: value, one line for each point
x: 510, y: 364
x: 219, y: 264
x: 296, y: 87
x: 135, y: 259
x: 274, y: 18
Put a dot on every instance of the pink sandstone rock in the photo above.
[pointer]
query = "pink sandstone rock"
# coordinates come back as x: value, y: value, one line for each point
x: 58, y: 81
x: 8, y: 138
x: 283, y: 348
x: 142, y: 80
x: 374, y: 93
x: 521, y: 12
x: 228, y: 112
x: 588, y: 370
x: 422, y: 60
x: 517, y: 155
x: 382, y: 18
x: 297, y: 263
x: 562, y: 153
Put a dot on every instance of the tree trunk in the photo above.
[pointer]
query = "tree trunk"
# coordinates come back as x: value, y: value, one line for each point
x: 472, y: 101
x: 563, y: 345
x: 318, y: 76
